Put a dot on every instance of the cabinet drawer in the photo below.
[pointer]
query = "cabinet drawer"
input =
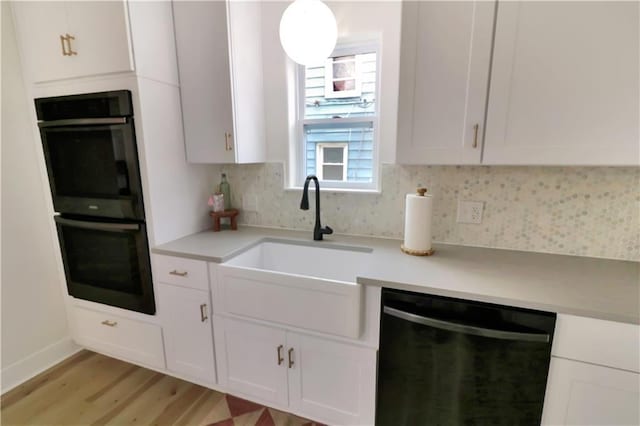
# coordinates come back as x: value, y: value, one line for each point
x: 121, y: 337
x: 608, y: 343
x: 180, y: 271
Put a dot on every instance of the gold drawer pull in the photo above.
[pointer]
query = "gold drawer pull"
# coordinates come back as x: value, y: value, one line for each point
x: 290, y: 357
x: 180, y: 274
x: 203, y: 312
x: 476, y: 127
x: 228, y: 146
x: 109, y: 323
x: 280, y: 357
x: 71, y: 51
x: 64, y: 47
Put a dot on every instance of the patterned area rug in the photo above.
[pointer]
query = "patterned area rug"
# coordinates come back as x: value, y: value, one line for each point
x: 240, y: 412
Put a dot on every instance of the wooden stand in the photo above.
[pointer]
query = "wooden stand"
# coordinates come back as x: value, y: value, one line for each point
x: 231, y: 213
x: 416, y: 252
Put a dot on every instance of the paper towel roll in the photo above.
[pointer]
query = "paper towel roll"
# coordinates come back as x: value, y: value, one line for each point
x: 417, y: 223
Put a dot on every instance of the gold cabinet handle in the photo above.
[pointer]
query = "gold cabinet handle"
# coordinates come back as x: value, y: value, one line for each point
x: 290, y: 357
x: 64, y: 48
x: 475, y: 135
x: 179, y: 274
x: 109, y: 323
x: 228, y: 146
x: 280, y: 357
x: 69, y: 38
x: 203, y: 312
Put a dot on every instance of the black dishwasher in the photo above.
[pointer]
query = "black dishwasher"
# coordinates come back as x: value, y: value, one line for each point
x: 446, y: 361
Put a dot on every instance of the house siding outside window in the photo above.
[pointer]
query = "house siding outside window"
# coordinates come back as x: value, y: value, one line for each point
x: 343, y: 119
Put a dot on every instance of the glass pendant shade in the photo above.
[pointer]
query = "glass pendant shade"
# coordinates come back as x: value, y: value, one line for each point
x: 308, y: 31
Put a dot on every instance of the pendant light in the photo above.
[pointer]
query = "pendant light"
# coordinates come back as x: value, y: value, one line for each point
x: 308, y: 31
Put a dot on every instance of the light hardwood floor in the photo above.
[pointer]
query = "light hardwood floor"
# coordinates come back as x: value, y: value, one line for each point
x: 92, y: 389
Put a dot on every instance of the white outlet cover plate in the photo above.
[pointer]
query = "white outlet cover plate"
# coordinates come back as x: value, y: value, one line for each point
x: 470, y: 211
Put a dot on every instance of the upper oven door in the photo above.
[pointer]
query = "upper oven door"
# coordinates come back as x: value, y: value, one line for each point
x: 93, y: 167
x: 107, y: 262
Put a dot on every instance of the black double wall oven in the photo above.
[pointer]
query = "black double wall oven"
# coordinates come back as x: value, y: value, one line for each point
x: 91, y: 155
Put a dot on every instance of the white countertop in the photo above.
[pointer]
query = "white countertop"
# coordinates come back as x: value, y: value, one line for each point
x: 597, y: 288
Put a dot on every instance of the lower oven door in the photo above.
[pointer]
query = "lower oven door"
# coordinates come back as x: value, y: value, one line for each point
x: 107, y: 262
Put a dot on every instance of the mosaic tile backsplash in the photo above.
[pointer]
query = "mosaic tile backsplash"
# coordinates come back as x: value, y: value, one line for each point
x: 585, y: 211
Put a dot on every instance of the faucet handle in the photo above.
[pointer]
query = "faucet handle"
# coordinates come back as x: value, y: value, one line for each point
x: 327, y: 230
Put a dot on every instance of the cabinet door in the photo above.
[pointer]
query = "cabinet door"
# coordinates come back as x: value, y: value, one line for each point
x: 587, y: 394
x: 39, y: 26
x: 100, y: 31
x: 564, y: 84
x: 252, y: 360
x: 330, y: 381
x: 245, y: 41
x: 445, y: 60
x: 188, y: 339
x: 205, y: 82
x: 102, y: 39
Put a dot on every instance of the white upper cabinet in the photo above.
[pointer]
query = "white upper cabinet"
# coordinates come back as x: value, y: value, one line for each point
x: 564, y: 84
x: 219, y: 48
x: 445, y: 58
x: 61, y: 40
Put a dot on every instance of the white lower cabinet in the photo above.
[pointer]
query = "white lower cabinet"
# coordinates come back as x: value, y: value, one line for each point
x: 594, y: 376
x: 251, y: 360
x: 117, y: 336
x: 332, y: 381
x: 186, y: 324
x: 579, y: 393
x: 311, y: 376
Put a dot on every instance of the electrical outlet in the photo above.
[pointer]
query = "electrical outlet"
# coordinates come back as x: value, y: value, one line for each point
x: 250, y: 203
x: 470, y: 211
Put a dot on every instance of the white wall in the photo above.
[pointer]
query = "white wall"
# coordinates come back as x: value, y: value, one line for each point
x: 356, y: 20
x: 34, y: 325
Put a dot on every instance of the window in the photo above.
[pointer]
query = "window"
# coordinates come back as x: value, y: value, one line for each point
x: 338, y: 120
x: 331, y: 161
x: 343, y: 77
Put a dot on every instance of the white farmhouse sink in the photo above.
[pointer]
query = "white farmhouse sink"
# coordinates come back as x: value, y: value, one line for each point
x: 297, y: 284
x: 333, y: 262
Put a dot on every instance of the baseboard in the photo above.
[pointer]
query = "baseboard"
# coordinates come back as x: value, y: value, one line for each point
x: 21, y: 371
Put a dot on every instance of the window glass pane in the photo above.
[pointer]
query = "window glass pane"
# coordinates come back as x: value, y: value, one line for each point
x: 333, y: 155
x: 332, y: 172
x: 357, y: 136
x: 317, y: 105
x: 344, y: 69
x: 342, y: 85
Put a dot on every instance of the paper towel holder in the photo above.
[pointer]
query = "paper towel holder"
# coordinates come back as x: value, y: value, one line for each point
x: 420, y: 192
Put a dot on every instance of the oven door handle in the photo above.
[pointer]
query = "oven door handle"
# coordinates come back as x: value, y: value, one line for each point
x: 83, y: 122
x: 98, y: 225
x: 466, y: 329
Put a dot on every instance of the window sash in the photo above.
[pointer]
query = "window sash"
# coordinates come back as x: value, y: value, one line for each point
x: 320, y: 147
x: 329, y: 79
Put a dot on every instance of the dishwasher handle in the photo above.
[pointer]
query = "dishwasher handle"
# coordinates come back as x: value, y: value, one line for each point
x: 467, y: 329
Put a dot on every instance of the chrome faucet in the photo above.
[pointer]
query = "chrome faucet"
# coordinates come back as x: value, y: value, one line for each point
x: 318, y: 230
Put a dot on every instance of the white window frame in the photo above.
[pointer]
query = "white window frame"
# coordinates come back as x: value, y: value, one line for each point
x: 320, y: 159
x: 298, y: 144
